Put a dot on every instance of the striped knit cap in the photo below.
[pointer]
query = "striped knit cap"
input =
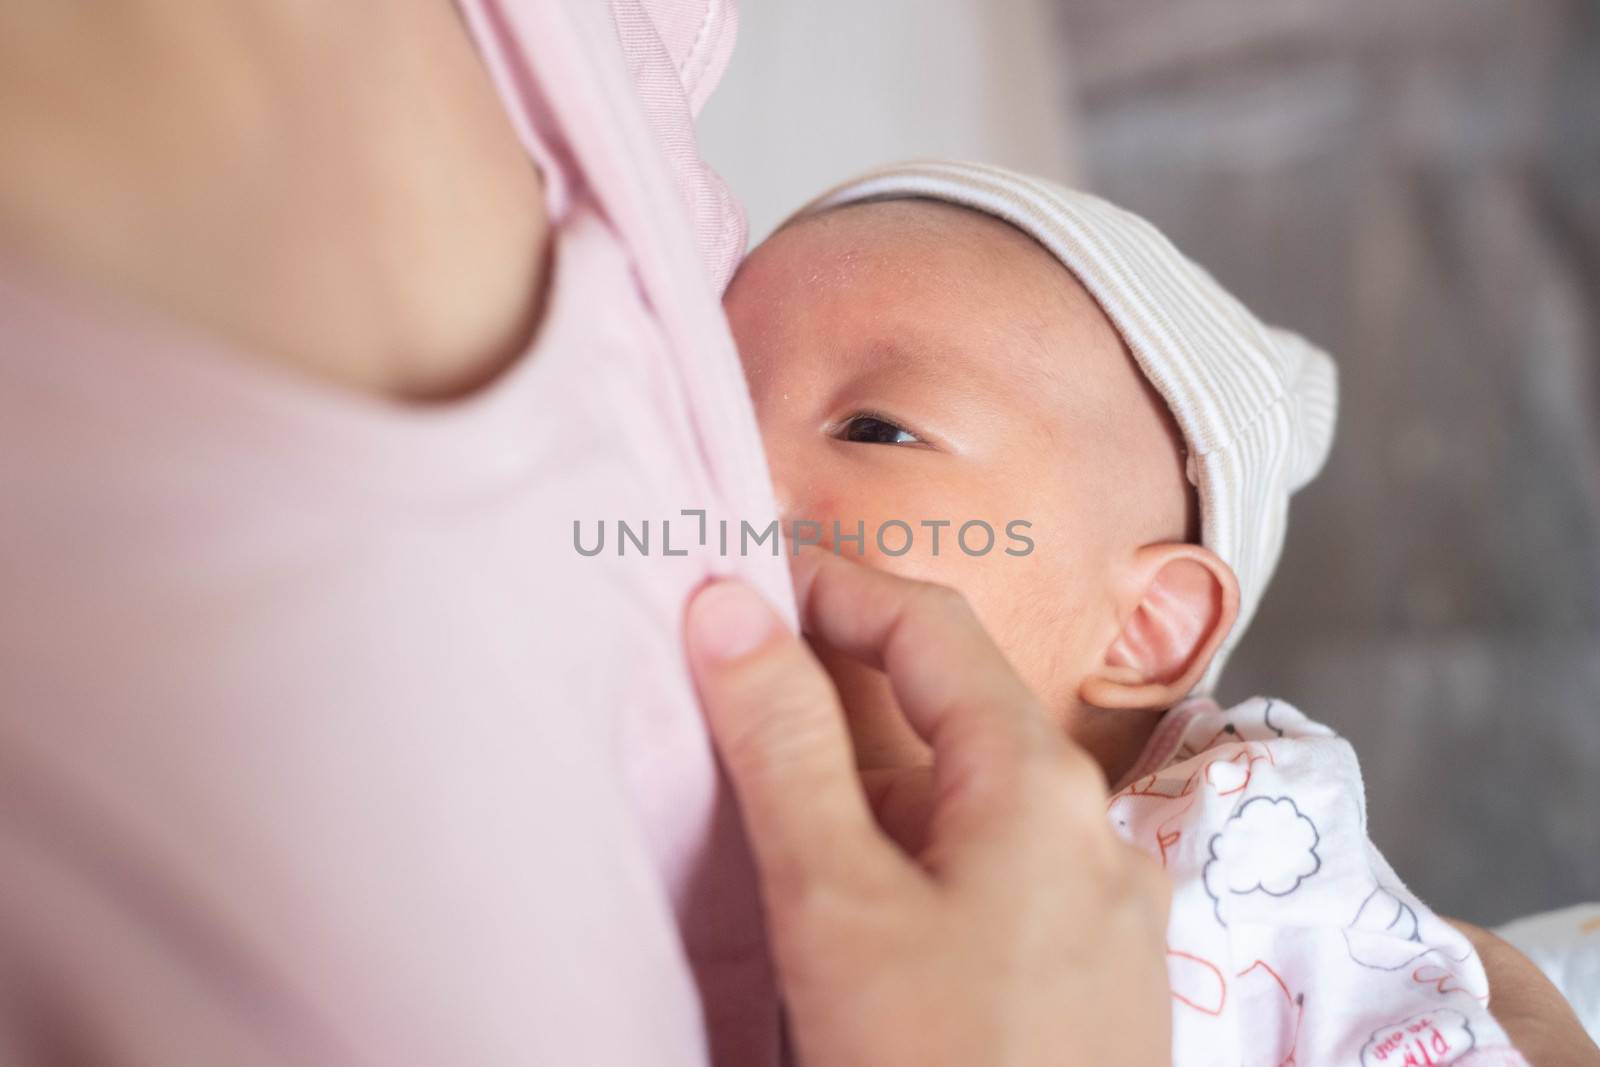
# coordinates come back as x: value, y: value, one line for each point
x: 1255, y: 403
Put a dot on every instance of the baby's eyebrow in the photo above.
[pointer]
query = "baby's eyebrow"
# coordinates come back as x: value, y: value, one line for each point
x: 915, y: 358
x: 944, y: 364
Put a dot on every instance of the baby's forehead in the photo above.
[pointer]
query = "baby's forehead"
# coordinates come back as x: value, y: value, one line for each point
x: 928, y: 257
x: 917, y: 226
x: 907, y: 292
x: 914, y: 287
x: 929, y: 251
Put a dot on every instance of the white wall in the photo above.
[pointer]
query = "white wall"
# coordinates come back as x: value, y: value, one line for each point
x: 821, y: 89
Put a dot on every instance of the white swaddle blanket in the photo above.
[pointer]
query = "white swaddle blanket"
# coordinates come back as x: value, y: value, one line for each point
x: 1292, y: 941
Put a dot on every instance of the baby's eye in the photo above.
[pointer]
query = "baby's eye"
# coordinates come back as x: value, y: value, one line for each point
x: 873, y: 430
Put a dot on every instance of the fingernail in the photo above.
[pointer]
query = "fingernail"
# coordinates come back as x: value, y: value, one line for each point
x: 726, y: 620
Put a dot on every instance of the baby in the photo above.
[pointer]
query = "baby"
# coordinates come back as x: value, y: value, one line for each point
x: 939, y: 350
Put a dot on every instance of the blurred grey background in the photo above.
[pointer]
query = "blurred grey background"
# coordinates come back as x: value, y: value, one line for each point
x: 1416, y: 187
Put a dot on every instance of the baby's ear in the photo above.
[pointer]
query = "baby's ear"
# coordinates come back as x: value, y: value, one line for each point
x: 1175, y: 603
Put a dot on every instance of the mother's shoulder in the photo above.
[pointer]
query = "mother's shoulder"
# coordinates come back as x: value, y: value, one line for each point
x: 320, y: 188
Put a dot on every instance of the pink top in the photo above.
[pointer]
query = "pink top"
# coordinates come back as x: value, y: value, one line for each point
x: 319, y: 741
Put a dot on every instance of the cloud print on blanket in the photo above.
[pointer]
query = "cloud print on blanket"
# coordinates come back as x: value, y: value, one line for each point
x: 1384, y: 934
x: 1387, y: 935
x: 1292, y: 941
x: 1268, y: 846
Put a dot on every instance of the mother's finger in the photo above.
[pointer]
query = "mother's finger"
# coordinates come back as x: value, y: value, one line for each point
x: 777, y: 723
x: 957, y: 690
x: 901, y: 799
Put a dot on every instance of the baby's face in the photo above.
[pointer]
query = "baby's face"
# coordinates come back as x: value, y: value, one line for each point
x: 918, y: 362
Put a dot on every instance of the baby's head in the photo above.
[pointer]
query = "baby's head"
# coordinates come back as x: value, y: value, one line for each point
x: 915, y: 360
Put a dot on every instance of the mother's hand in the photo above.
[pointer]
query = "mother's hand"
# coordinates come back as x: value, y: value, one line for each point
x: 1023, y: 932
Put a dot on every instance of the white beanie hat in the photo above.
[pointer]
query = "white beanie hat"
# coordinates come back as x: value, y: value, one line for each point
x: 1255, y: 404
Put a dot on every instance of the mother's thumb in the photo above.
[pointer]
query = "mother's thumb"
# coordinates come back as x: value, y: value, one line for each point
x: 777, y: 724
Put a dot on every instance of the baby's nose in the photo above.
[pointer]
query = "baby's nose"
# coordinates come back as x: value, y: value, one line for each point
x: 801, y: 482
x: 784, y: 496
x: 784, y: 484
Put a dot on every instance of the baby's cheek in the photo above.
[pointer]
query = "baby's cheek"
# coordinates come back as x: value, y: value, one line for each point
x: 1025, y: 602
x: 916, y: 533
x: 984, y: 580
